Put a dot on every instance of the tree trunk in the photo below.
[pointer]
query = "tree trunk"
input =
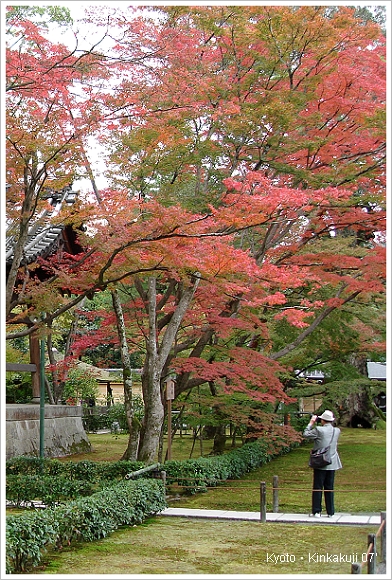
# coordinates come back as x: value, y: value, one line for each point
x: 359, y: 361
x: 35, y: 358
x: 59, y: 385
x: 153, y: 414
x: 52, y: 360
x: 219, y: 440
x: 133, y: 424
x: 156, y: 359
x: 151, y: 386
x: 49, y: 392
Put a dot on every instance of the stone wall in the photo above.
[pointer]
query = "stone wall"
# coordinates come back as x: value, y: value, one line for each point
x: 64, y: 433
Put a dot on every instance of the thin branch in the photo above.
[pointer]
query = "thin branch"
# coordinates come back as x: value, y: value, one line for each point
x: 288, y: 348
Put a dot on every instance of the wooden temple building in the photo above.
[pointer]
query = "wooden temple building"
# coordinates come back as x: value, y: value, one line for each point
x: 64, y: 431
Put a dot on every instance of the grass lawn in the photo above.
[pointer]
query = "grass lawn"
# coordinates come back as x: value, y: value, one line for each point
x: 184, y: 546
x: 181, y: 546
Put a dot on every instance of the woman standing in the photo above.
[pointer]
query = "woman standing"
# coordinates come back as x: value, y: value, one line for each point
x: 324, y: 477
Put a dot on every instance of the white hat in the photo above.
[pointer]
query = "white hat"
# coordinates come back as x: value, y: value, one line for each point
x: 327, y: 416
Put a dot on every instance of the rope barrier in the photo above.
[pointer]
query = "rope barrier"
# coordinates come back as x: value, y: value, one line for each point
x: 224, y: 487
x: 218, y: 484
x: 371, y: 555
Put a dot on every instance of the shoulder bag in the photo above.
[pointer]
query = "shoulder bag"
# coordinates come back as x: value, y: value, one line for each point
x: 321, y: 457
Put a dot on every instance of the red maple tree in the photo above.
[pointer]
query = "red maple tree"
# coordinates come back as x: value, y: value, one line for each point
x: 246, y: 155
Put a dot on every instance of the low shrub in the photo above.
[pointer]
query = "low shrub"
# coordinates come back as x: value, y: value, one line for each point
x: 29, y: 535
x: 94, y: 422
x: 95, y: 418
x: 28, y: 465
x: 88, y: 470
x: 25, y: 489
x: 52, y: 482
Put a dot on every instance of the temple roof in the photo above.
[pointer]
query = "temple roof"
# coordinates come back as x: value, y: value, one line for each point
x: 43, y: 238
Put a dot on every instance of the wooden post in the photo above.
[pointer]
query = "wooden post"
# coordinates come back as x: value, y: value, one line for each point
x: 371, y: 564
x: 383, y: 541
x: 275, y: 494
x: 163, y: 477
x: 356, y: 568
x: 263, y: 502
x: 169, y: 428
x: 170, y: 392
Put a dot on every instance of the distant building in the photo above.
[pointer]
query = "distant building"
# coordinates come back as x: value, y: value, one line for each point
x: 376, y: 371
x: 312, y: 376
x: 111, y: 389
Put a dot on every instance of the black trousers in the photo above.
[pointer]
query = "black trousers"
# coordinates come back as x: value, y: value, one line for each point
x: 323, y: 479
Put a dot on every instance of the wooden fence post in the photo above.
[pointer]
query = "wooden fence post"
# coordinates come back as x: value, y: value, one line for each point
x: 372, y: 554
x: 383, y: 542
x: 263, y: 502
x: 275, y: 494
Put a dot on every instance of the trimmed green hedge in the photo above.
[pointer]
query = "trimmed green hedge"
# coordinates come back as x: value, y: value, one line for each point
x: 87, y: 470
x: 51, y: 481
x: 30, y: 534
x: 50, y: 490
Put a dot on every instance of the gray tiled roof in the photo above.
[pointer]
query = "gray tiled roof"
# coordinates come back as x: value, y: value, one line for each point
x: 377, y: 370
x: 43, y: 238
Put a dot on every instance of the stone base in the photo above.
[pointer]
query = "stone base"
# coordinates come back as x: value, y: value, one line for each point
x: 64, y: 433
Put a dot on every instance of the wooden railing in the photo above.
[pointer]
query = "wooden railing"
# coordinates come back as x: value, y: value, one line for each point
x: 371, y: 557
